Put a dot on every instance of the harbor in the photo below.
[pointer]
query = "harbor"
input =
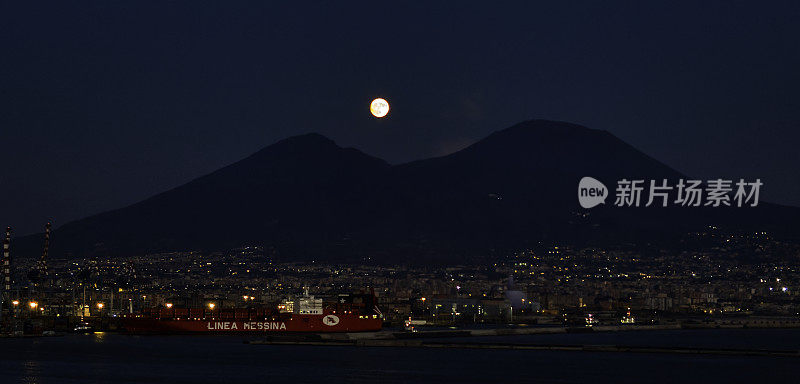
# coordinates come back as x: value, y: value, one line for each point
x: 555, y: 357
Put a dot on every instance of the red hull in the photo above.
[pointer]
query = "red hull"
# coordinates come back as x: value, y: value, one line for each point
x: 328, y: 322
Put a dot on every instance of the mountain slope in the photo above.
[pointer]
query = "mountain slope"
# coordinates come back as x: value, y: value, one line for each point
x: 309, y: 198
x: 294, y: 189
x: 518, y: 186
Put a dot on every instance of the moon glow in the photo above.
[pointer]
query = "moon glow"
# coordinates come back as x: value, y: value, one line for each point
x: 379, y: 107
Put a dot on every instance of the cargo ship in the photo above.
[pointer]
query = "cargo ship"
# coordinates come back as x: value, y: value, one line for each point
x: 349, y: 313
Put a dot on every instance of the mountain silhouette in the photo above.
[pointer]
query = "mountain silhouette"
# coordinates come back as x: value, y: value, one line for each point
x: 308, y: 198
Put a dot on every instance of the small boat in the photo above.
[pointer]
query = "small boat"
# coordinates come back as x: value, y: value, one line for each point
x: 83, y: 327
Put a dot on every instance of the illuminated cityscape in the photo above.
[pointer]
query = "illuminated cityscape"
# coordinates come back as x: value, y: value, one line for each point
x: 731, y: 279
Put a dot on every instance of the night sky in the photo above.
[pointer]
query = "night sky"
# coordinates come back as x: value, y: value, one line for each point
x: 103, y: 104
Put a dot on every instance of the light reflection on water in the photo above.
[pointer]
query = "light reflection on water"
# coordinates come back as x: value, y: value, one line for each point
x: 109, y: 357
x: 99, y: 337
x: 31, y: 372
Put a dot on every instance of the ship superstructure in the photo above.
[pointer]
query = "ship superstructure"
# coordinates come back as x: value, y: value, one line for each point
x: 349, y: 313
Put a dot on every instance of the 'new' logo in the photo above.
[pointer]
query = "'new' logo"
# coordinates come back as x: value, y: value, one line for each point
x: 591, y: 192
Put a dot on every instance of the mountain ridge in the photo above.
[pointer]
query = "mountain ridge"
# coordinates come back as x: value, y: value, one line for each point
x: 308, y: 197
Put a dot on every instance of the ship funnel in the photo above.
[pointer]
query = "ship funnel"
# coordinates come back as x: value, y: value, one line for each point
x: 43, y: 260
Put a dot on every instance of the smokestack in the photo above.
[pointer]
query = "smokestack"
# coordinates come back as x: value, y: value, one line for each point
x: 7, y: 268
x: 43, y: 261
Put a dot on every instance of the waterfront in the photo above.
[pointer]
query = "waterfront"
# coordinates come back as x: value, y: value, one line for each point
x: 108, y: 357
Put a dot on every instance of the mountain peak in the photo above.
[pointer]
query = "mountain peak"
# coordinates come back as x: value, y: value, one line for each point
x: 304, y: 152
x: 303, y: 146
x: 543, y: 136
x: 312, y: 137
x: 305, y: 140
x: 545, y: 129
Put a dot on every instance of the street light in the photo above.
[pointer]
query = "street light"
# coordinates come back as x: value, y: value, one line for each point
x: 33, y: 304
x: 211, y: 306
x: 99, y: 305
x: 15, y: 302
x: 169, y: 305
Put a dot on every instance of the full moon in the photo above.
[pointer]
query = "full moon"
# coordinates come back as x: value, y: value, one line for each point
x: 379, y: 107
